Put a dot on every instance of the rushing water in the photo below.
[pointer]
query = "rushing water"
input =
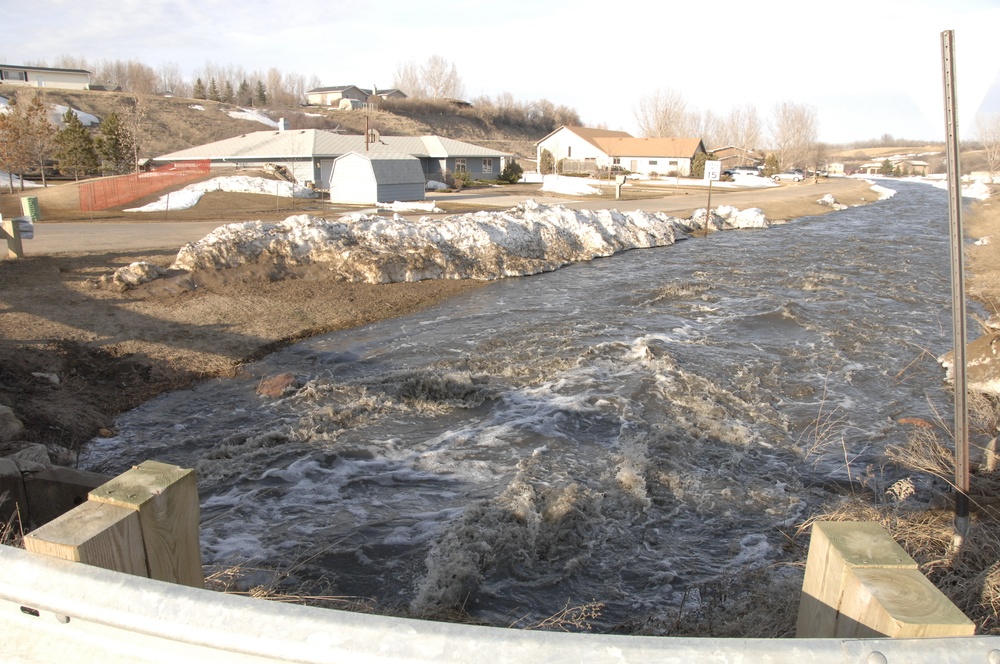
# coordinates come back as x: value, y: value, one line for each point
x: 617, y: 430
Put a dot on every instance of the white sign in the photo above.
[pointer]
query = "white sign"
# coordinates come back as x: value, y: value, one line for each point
x: 713, y: 170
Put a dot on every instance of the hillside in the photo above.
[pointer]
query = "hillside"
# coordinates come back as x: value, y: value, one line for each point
x: 174, y: 123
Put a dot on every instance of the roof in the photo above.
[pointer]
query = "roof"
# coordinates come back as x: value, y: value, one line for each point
x: 30, y: 68
x: 649, y: 147
x: 389, y: 168
x: 590, y: 135
x: 312, y: 143
x: 336, y: 88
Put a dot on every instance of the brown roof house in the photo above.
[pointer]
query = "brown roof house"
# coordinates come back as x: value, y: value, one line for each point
x: 581, y: 149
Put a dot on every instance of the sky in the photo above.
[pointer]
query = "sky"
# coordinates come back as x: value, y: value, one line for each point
x: 869, y: 68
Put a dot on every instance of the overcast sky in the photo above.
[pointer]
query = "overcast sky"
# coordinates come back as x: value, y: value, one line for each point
x: 869, y: 67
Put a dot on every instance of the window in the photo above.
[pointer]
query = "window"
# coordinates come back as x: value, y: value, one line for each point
x: 616, y: 161
x: 569, y: 152
x: 652, y: 162
x: 12, y: 75
x: 460, y: 165
x: 487, y: 165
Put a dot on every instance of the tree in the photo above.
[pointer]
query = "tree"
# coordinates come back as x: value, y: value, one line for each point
x: 133, y: 120
x: 742, y: 128
x: 441, y: 79
x: 888, y: 168
x: 244, y: 96
x: 794, y: 131
x: 14, y: 155
x: 771, y: 165
x: 39, y: 134
x: 213, y: 91
x: 546, y: 162
x: 228, y: 95
x: 113, y: 145
x: 75, y: 149
x: 988, y: 131
x: 664, y: 114
x: 199, y: 90
x: 698, y: 163
x: 407, y: 79
x: 511, y: 172
x: 260, y: 98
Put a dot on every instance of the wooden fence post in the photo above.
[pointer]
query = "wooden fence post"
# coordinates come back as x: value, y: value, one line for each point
x: 12, y: 233
x: 860, y: 583
x: 166, y: 499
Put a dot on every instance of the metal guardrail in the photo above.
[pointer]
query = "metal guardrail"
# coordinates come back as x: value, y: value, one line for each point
x: 52, y: 610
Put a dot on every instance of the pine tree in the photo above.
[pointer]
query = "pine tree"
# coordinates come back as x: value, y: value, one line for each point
x: 75, y: 149
x: 244, y: 97
x: 228, y: 95
x: 113, y: 146
x: 213, y: 91
x: 199, y: 89
x: 260, y: 99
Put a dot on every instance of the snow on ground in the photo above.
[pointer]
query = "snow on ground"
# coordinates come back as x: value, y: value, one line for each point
x: 57, y: 112
x: 197, y: 107
x: 255, y: 116
x: 754, y: 181
x: 561, y: 184
x: 434, y: 185
x: 5, y: 182
x: 190, y: 195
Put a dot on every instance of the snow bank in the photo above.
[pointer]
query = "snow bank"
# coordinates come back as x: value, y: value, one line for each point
x: 434, y: 185
x: 255, y: 116
x: 527, y: 239
x: 5, y: 182
x: 724, y: 218
x: 197, y: 107
x: 560, y: 184
x: 86, y: 119
x: 830, y: 201
x: 754, y: 181
x: 189, y: 196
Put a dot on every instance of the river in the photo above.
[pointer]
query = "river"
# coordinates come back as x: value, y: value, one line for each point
x: 621, y: 430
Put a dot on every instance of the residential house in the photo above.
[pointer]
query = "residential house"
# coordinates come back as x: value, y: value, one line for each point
x: 333, y: 96
x: 44, y: 77
x: 581, y: 149
x: 732, y: 156
x: 308, y: 154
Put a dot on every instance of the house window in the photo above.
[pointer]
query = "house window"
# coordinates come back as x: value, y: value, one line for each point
x: 460, y: 165
x: 569, y: 152
x: 616, y: 161
x: 487, y: 165
x: 12, y: 75
x: 652, y: 162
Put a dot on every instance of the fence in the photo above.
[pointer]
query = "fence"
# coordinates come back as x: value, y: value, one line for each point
x: 111, y: 192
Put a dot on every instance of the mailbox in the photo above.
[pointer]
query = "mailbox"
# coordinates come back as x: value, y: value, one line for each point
x: 25, y: 228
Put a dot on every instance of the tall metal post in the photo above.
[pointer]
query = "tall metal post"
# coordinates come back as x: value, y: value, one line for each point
x: 959, y: 332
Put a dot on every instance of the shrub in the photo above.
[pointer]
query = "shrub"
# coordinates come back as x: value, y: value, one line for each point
x: 512, y: 172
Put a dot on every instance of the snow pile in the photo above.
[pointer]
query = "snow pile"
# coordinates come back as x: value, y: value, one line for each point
x: 527, y: 239
x: 753, y: 181
x: 560, y: 184
x: 977, y: 189
x: 197, y: 107
x: 410, y: 206
x: 883, y: 192
x: 254, y: 116
x: 189, y: 196
x: 136, y: 273
x: 830, y: 201
x: 724, y: 218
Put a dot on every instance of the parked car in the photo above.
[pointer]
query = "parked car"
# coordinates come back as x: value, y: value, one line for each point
x: 747, y: 170
x: 793, y: 174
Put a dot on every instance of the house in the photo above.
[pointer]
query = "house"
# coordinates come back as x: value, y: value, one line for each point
x: 369, y: 179
x: 308, y: 154
x: 732, y: 156
x: 44, y: 77
x: 581, y: 149
x: 332, y: 96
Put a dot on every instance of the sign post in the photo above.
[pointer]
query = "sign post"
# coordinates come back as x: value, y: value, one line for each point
x: 713, y: 171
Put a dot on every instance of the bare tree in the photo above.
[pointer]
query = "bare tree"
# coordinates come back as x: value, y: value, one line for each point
x: 663, y: 114
x: 794, y: 132
x: 988, y: 132
x: 743, y: 128
x: 133, y: 120
x: 407, y: 79
x: 171, y: 80
x: 441, y: 79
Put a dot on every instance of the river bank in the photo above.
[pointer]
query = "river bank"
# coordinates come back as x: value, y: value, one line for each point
x: 74, y: 353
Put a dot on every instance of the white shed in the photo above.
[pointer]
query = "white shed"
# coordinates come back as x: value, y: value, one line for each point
x: 368, y: 179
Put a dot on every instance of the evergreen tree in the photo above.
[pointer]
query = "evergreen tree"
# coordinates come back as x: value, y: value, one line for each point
x: 213, y: 91
x: 75, y: 149
x: 39, y: 135
x: 14, y: 155
x: 244, y: 97
x: 888, y: 168
x: 113, y: 145
x: 546, y: 162
x: 771, y: 165
x: 228, y: 95
x: 260, y: 99
x: 199, y: 90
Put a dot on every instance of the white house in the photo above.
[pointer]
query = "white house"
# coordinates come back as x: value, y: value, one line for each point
x: 335, y: 95
x: 580, y: 149
x: 44, y: 77
x: 368, y: 179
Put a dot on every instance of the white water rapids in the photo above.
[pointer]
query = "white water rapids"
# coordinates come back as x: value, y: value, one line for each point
x: 619, y: 430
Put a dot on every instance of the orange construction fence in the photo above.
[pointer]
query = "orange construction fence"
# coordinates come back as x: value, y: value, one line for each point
x: 111, y: 192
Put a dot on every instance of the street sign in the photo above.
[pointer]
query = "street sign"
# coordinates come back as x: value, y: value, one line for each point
x: 713, y: 170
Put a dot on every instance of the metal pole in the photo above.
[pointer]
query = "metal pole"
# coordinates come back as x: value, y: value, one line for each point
x: 708, y: 212
x: 959, y: 333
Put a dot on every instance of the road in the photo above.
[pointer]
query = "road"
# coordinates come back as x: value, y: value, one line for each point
x: 57, y: 238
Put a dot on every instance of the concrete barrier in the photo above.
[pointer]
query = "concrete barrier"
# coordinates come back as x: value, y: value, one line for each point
x: 54, y: 610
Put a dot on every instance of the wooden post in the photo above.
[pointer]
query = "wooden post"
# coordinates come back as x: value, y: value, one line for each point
x: 12, y: 232
x: 166, y: 499
x: 860, y: 583
x: 96, y: 534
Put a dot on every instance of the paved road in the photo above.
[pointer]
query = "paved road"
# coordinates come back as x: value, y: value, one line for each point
x: 58, y: 238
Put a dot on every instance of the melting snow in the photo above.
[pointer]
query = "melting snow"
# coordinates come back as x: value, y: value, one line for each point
x: 561, y: 184
x: 410, y: 206
x: 197, y: 107
x: 190, y: 195
x: 255, y: 116
x: 5, y: 182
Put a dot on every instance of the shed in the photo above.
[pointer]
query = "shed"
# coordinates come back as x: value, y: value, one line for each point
x: 368, y: 179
